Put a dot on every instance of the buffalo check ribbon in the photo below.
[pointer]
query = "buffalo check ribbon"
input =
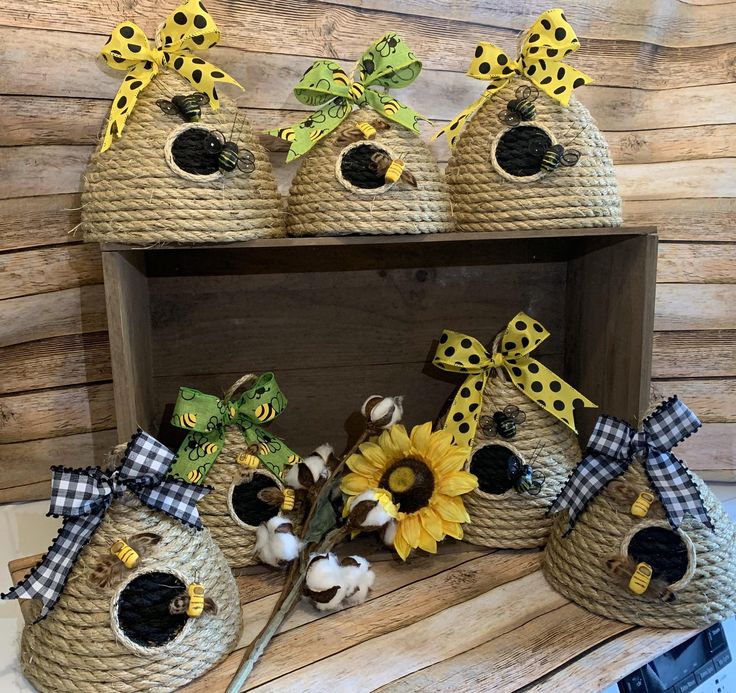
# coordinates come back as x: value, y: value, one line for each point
x: 543, y: 47
x: 188, y: 28
x: 387, y: 63
x: 613, y: 446
x: 207, y: 416
x: 461, y: 353
x: 82, y: 497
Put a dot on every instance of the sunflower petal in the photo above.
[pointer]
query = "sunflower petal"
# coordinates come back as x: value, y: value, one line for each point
x: 440, y: 443
x: 353, y: 484
x: 458, y: 483
x: 410, y: 528
x: 453, y: 529
x: 421, y: 437
x: 394, y: 442
x: 402, y: 548
x: 432, y: 522
x: 362, y: 465
x: 374, y: 454
x: 449, y: 508
x: 426, y: 542
x: 453, y: 461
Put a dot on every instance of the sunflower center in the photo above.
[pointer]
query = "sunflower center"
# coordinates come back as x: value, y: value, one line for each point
x: 411, y: 483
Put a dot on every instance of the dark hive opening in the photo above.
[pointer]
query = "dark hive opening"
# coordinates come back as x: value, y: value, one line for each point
x: 490, y: 465
x: 513, y: 151
x: 248, y: 506
x: 190, y: 154
x: 143, y: 609
x: 662, y: 549
x: 357, y: 166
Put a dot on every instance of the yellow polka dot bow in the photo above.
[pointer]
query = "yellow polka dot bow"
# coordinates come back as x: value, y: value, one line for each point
x: 188, y: 28
x: 544, y: 45
x: 463, y: 354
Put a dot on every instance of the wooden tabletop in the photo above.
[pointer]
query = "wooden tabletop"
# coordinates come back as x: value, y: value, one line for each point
x: 467, y: 619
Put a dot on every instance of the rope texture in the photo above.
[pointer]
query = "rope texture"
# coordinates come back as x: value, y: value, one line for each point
x: 131, y: 195
x: 75, y: 649
x: 576, y: 565
x: 585, y: 195
x: 320, y: 205
x: 518, y: 520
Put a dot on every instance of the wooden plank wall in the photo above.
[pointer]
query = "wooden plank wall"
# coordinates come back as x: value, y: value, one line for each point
x: 664, y: 96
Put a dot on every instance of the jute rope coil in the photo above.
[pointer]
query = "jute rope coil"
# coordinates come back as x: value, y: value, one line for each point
x: 236, y: 539
x: 76, y: 648
x: 515, y: 520
x: 575, y: 565
x: 319, y: 204
x: 132, y: 195
x: 485, y: 198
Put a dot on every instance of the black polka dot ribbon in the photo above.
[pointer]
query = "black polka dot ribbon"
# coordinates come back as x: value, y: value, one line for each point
x: 461, y: 353
x: 188, y: 28
x: 545, y: 44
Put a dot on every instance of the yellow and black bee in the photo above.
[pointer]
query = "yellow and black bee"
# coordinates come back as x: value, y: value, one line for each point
x: 287, y: 134
x: 521, y: 108
x: 341, y: 77
x: 391, y: 169
x: 356, y: 91
x: 193, y: 602
x: 362, y: 131
x: 209, y: 448
x: 266, y: 412
x: 187, y: 420
x: 317, y: 135
x: 188, y: 106
x: 229, y: 155
x: 391, y: 107
x: 124, y: 555
x: 194, y: 476
x: 553, y: 156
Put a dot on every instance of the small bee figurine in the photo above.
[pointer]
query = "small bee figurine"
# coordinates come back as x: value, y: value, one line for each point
x: 521, y: 108
x: 193, y: 603
x: 640, y: 507
x: 124, y: 555
x: 362, y: 131
x: 503, y: 423
x: 524, y: 478
x: 639, y: 578
x: 188, y: 106
x: 554, y: 156
x: 284, y: 498
x: 392, y: 169
x: 229, y: 155
x: 249, y: 457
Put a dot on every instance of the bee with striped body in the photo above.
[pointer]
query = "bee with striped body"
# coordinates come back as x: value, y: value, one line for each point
x: 503, y: 423
x: 521, y: 108
x: 639, y: 578
x: 266, y: 412
x: 524, y: 477
x: 341, y: 77
x: 193, y: 602
x: 357, y: 90
x: 194, y: 476
x: 125, y: 554
x: 229, y: 155
x: 287, y: 134
x: 187, y: 106
x: 393, y: 170
x: 362, y: 131
x: 187, y: 420
x: 250, y: 458
x: 391, y: 107
x: 552, y: 156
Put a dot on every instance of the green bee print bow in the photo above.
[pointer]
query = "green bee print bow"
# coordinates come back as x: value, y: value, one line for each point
x: 206, y: 416
x: 387, y: 63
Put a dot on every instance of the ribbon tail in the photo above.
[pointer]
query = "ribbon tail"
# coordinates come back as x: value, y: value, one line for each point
x: 589, y: 478
x: 394, y: 110
x: 453, y: 129
x: 47, y: 580
x: 137, y: 79
x: 279, y: 455
x: 315, y: 127
x: 676, y: 489
x: 196, y: 455
x: 175, y: 498
x: 462, y: 417
x: 203, y: 76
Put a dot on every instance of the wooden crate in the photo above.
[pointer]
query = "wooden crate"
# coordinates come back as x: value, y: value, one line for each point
x: 338, y: 319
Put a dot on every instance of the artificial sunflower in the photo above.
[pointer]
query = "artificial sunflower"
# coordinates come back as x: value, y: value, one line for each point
x: 424, y: 474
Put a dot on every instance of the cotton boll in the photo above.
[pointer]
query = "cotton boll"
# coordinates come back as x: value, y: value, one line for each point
x: 371, y: 510
x: 359, y: 579
x: 311, y: 469
x: 389, y: 533
x: 276, y: 543
x: 383, y: 412
x: 324, y: 583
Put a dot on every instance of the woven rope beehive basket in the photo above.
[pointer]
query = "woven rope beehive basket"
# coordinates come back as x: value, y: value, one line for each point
x: 514, y: 520
x: 83, y: 646
x: 319, y: 204
x: 576, y: 564
x: 485, y: 197
x: 132, y: 195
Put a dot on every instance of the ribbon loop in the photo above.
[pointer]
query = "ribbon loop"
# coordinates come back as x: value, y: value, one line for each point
x: 82, y: 497
x: 387, y: 63
x: 612, y: 447
x: 461, y: 353
x: 545, y: 44
x: 206, y: 417
x: 188, y: 28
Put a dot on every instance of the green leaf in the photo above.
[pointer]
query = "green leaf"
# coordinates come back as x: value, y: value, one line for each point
x: 323, y: 521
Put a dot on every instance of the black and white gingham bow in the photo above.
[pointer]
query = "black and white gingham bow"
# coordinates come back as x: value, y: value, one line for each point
x: 611, y: 449
x: 82, y: 496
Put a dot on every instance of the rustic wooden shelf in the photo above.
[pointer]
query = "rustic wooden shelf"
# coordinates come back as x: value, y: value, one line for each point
x: 339, y: 318
x: 468, y: 619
